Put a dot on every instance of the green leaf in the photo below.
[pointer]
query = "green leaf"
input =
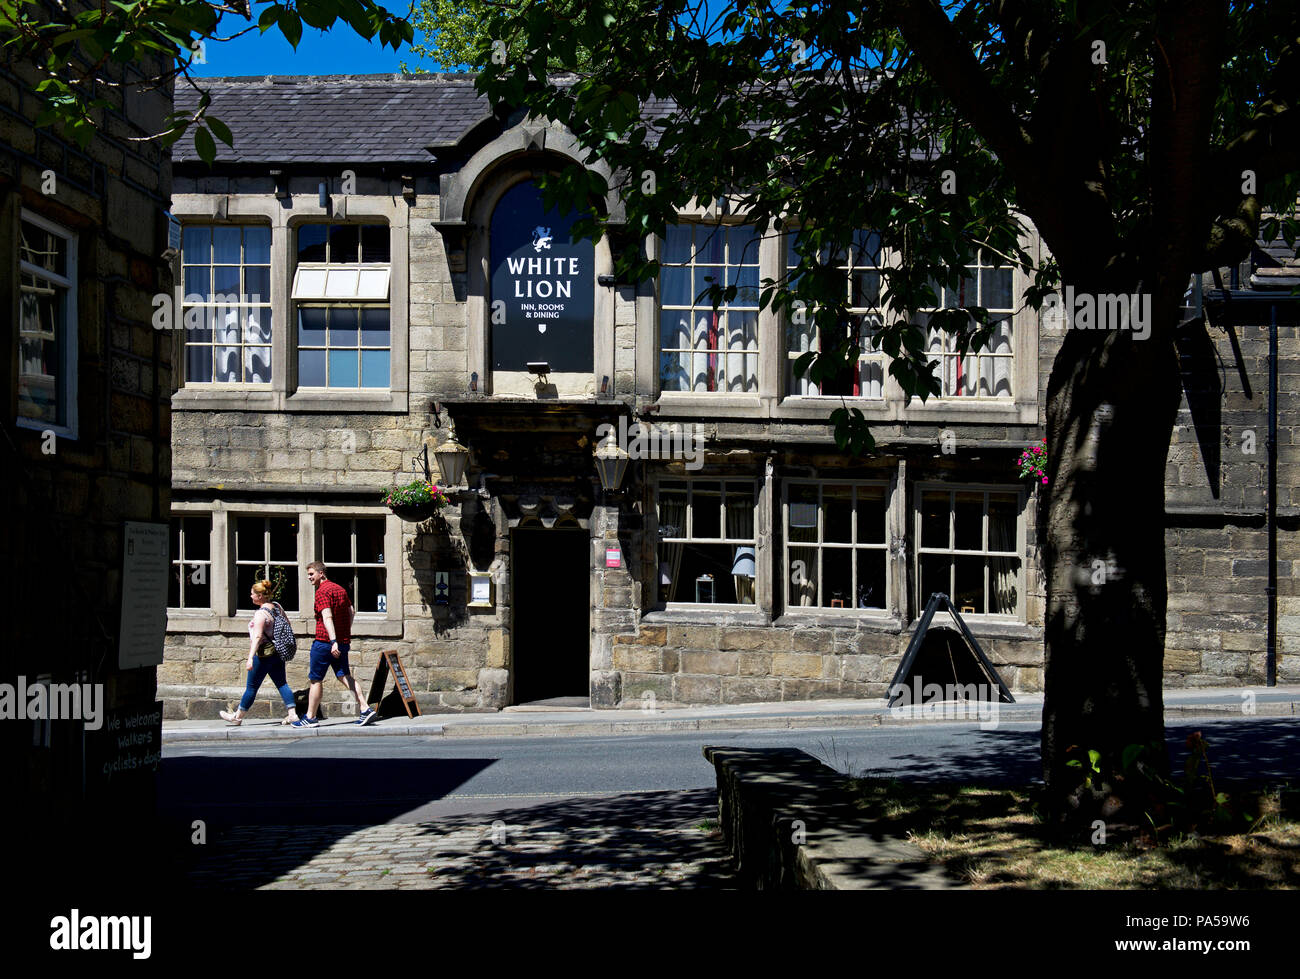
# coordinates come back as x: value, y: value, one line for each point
x: 204, y: 145
x: 291, y: 27
x: 220, y: 130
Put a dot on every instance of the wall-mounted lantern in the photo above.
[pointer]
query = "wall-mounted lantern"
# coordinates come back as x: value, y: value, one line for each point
x: 611, y: 463
x: 441, y: 587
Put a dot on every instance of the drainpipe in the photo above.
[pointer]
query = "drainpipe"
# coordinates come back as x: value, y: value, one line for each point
x: 1270, y: 658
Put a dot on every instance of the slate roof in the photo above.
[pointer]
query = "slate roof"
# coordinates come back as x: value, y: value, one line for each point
x: 336, y: 118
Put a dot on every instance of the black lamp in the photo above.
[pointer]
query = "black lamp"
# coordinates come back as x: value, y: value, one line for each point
x: 611, y: 463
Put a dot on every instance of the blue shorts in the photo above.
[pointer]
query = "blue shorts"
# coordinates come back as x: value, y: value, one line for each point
x: 322, y: 662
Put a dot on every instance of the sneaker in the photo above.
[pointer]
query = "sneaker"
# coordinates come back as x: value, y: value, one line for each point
x: 367, y: 716
x: 305, y: 722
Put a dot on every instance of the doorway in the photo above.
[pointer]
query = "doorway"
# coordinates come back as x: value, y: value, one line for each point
x: 550, y: 631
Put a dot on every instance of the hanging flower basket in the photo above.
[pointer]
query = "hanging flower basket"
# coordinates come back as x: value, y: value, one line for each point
x: 1033, y: 463
x: 416, y: 501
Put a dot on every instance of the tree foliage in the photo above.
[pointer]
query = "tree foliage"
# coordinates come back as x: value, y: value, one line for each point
x: 78, y: 51
x: 1146, y: 142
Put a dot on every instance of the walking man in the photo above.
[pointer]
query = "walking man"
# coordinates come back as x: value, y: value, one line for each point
x: 330, y: 650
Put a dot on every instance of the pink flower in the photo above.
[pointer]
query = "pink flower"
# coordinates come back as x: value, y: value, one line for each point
x: 1044, y: 479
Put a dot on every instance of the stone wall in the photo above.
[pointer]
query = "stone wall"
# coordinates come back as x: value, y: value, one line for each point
x: 67, y: 494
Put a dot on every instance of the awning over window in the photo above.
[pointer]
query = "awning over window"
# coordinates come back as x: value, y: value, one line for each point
x: 340, y: 283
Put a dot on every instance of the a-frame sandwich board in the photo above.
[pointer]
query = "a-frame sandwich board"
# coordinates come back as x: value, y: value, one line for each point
x: 914, y: 649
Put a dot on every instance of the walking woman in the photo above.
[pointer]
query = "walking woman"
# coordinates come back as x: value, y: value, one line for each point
x: 263, y: 660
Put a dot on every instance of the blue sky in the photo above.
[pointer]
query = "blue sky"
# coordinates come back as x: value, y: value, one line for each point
x: 340, y: 51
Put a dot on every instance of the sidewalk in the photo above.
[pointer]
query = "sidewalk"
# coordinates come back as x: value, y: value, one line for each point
x: 1208, y: 703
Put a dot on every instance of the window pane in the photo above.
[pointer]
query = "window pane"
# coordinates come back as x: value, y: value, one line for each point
x: 257, y: 324
x: 225, y: 245
x: 871, y: 515
x: 675, y: 290
x: 198, y: 532
x: 226, y: 366
x: 935, y: 575
x: 374, y: 369
x: 250, y: 544
x: 311, y: 242
x: 257, y: 245
x: 311, y: 327
x: 288, y: 597
x: 677, y: 244
x: 706, y: 509
x: 740, y: 511
x: 174, y: 586
x: 1004, y: 575
x: 336, y: 535
x: 371, y: 583
x: 198, y: 363
x: 198, y: 282
x: 284, y: 539
x: 996, y: 284
x: 705, y: 574
x: 311, y: 368
x: 969, y: 524
x: 343, y: 327
x: 196, y: 245
x: 257, y: 284
x: 370, y: 541
x: 837, y: 514
x: 871, y: 579
x: 374, y: 243
x: 672, y: 510
x: 374, y: 327
x: 345, y: 243
x: 743, y: 245
x: 343, y: 368
x: 197, y: 585
x: 970, y: 585
x: 837, y: 577
x: 934, y: 519
x: 803, y: 576
x: 1002, y: 521
x: 225, y: 282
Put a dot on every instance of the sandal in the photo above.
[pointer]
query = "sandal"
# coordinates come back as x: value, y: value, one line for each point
x: 230, y: 717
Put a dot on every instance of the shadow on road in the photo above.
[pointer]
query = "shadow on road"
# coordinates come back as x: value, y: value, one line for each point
x: 651, y: 840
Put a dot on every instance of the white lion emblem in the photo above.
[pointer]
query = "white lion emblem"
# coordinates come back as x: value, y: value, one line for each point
x: 541, y: 238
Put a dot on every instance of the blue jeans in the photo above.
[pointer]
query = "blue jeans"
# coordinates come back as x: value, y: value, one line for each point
x: 262, y: 667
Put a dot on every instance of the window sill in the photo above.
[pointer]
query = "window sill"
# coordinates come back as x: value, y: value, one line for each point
x: 226, y: 398
x: 873, y: 619
x: 678, y: 614
x: 985, y: 627
x: 333, y: 399
x: 60, y: 431
x: 718, y: 404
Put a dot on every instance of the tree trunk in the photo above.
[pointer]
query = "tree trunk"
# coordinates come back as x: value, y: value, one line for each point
x: 1111, y: 404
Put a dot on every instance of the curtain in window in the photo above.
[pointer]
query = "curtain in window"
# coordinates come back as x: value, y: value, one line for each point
x: 803, y: 587
x: 1002, y: 570
x: 672, y: 513
x: 740, y: 525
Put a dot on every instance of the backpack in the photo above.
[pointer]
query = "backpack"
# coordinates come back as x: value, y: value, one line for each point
x: 282, y: 637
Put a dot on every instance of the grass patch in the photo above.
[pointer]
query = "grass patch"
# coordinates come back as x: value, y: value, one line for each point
x: 994, y: 839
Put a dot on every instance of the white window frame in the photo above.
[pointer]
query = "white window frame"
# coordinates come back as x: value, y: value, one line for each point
x: 354, y: 565
x: 868, y: 353
x: 70, y: 340
x: 330, y: 285
x: 179, y: 560
x: 947, y: 352
x: 725, y: 354
x: 757, y: 488
x: 236, y: 563
x: 1019, y: 616
x: 209, y: 306
x: 853, y: 547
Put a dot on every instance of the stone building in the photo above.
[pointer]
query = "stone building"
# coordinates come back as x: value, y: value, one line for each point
x: 372, y: 264
x: 86, y: 452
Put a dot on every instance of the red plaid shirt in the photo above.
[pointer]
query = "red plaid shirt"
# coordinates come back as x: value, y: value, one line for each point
x: 332, y: 596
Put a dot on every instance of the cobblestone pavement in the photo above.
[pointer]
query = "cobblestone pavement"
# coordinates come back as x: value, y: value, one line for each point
x: 659, y: 840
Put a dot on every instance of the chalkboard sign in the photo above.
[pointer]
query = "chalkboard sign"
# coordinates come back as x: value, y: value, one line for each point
x: 128, y: 746
x: 390, y: 662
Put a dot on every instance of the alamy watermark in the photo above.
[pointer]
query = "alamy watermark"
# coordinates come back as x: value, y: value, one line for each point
x: 198, y: 312
x: 951, y: 701
x: 1100, y: 311
x: 98, y: 932
x: 649, y: 441
x: 41, y: 701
